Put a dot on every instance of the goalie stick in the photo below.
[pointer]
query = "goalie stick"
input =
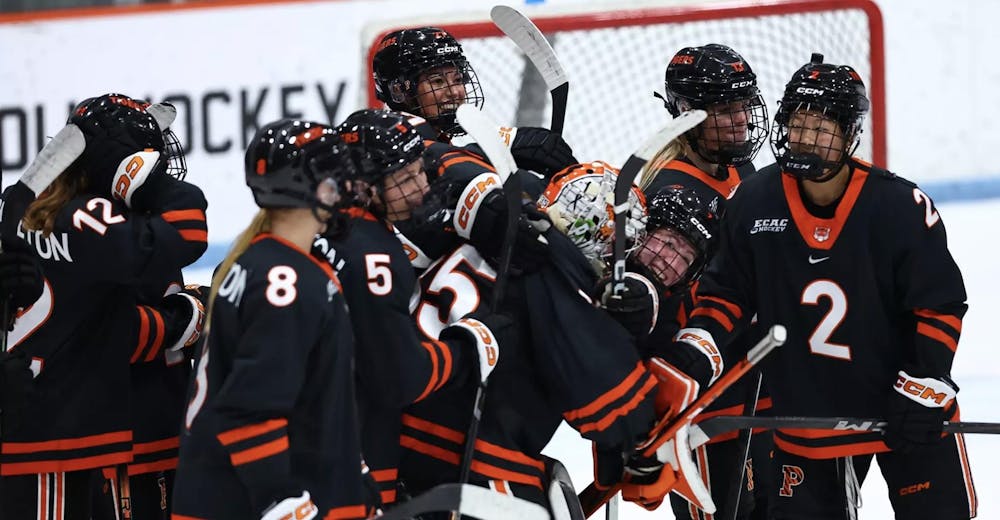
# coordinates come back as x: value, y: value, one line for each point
x: 626, y: 178
x: 715, y: 426
x: 484, y: 131
x: 593, y: 498
x: 467, y: 500
x: 525, y: 34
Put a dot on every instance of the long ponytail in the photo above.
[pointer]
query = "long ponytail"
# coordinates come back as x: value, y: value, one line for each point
x: 669, y: 152
x: 261, y: 223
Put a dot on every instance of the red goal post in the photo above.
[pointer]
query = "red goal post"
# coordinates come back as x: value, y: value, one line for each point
x: 615, y: 59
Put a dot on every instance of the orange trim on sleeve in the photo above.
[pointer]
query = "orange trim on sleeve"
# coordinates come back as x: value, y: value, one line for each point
x: 432, y: 382
x: 480, y: 467
x: 91, y: 441
x: 388, y: 496
x: 937, y: 334
x: 952, y: 321
x: 624, y: 409
x: 722, y: 187
x: 385, y: 475
x: 733, y: 309
x: 143, y: 333
x: 194, y: 235
x: 150, y: 467
x: 155, y: 446
x: 462, y: 158
x: 183, y: 214
x: 716, y: 315
x: 259, y: 452
x: 252, y: 430
x: 610, y: 396
x: 175, y: 516
x: 481, y: 446
x: 346, y: 513
x: 159, y: 333
x: 831, y: 452
x: 61, y: 466
x: 446, y: 362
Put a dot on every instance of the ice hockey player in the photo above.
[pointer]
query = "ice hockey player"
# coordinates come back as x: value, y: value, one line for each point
x: 572, y: 362
x: 375, y: 264
x: 854, y: 261
x: 96, y: 236
x: 271, y: 426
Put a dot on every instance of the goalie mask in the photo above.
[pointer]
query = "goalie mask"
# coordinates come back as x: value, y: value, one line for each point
x: 682, y: 233
x: 388, y: 151
x: 716, y: 79
x: 580, y: 203
x: 424, y: 71
x: 286, y: 162
x: 818, y: 123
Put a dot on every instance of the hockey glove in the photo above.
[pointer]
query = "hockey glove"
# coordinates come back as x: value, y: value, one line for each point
x: 20, y: 276
x: 292, y: 508
x: 636, y: 308
x: 184, y: 314
x: 539, y: 149
x: 918, y: 407
x: 16, y: 386
x: 694, y: 353
x: 486, y: 332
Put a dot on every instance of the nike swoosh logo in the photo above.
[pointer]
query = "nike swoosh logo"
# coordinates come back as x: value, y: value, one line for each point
x: 817, y: 260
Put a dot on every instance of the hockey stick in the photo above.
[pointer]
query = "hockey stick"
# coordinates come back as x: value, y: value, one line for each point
x: 467, y: 500
x: 533, y: 44
x: 593, y: 498
x: 743, y: 449
x: 626, y: 178
x: 480, y: 128
x: 715, y: 426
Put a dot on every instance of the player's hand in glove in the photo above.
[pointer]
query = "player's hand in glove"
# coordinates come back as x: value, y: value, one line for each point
x: 296, y: 508
x: 540, y: 150
x: 20, y: 275
x: 636, y: 308
x: 16, y: 385
x: 488, y: 333
x: 184, y: 314
x: 918, y: 407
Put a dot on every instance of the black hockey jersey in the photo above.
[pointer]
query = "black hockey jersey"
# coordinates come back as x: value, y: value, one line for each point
x: 681, y: 171
x: 862, y: 293
x: 395, y: 364
x: 573, y: 362
x: 84, y: 329
x: 272, y: 405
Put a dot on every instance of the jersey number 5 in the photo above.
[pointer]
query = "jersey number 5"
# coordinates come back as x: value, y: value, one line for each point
x: 819, y: 341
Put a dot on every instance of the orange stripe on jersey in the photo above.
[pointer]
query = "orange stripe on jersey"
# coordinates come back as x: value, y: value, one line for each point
x: 252, y: 430
x: 831, y: 452
x: 388, y: 496
x: 952, y: 321
x: 610, y: 396
x: 809, y: 433
x: 158, y: 335
x: 175, y: 516
x: 385, y: 475
x: 428, y: 449
x: 716, y: 315
x: 183, y: 214
x: 481, y: 446
x: 722, y: 187
x: 507, y: 454
x: 155, y: 446
x: 937, y: 334
x: 808, y: 224
x: 448, y: 163
x: 143, y: 333
x: 91, y: 441
x: 194, y: 235
x: 452, y: 458
x: 446, y: 365
x: 59, y: 497
x: 733, y: 309
x: 970, y: 487
x: 43, y: 497
x: 432, y: 381
x: 346, y: 513
x: 63, y: 465
x: 622, y: 410
x: 434, y: 429
x: 359, y: 213
x: 259, y: 452
x: 152, y: 467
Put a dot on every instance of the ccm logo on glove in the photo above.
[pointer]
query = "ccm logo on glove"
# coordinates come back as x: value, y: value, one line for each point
x: 927, y: 391
x: 471, y: 197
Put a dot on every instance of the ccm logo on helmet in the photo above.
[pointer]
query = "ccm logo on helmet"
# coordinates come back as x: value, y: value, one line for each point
x: 809, y: 91
x: 447, y: 49
x: 701, y: 228
x: 413, y: 142
x: 742, y: 84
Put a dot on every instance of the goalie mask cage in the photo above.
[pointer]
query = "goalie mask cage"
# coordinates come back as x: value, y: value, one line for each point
x: 615, y: 58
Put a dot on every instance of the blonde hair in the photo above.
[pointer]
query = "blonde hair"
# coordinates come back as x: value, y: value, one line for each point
x: 261, y: 223
x: 42, y: 212
x: 670, y: 151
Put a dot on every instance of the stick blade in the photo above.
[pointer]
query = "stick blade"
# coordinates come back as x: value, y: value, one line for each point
x: 526, y: 35
x: 163, y: 113
x: 486, y: 133
x: 54, y: 158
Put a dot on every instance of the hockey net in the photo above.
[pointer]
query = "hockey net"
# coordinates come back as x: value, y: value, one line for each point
x: 615, y: 59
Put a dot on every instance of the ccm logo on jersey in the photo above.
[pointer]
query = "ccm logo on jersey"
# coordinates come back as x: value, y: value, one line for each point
x: 472, y: 196
x: 771, y: 225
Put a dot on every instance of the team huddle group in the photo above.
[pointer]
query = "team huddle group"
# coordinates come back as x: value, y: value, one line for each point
x: 332, y: 368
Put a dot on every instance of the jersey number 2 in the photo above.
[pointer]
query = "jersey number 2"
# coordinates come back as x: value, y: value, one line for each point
x: 819, y: 341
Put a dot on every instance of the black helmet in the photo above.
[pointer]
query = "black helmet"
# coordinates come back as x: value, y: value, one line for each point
x: 288, y: 159
x: 381, y: 141
x: 835, y: 92
x: 680, y: 208
x: 699, y: 77
x: 402, y: 56
x: 119, y: 117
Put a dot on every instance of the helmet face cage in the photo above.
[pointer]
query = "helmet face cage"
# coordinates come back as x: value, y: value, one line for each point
x: 819, y: 120
x: 424, y: 71
x: 716, y: 79
x: 693, y: 237
x: 173, y: 151
x: 580, y: 203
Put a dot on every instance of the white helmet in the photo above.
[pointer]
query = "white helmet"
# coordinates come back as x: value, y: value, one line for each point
x: 580, y: 202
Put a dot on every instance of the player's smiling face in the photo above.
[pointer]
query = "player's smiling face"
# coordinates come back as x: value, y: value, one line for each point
x: 440, y: 91
x: 667, y: 254
x: 812, y: 132
x: 403, y: 190
x: 726, y: 125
